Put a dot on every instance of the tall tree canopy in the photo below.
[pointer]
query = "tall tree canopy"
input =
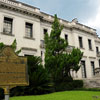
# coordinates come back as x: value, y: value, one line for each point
x: 58, y: 61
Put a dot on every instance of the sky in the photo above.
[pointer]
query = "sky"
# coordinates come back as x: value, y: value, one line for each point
x: 86, y: 11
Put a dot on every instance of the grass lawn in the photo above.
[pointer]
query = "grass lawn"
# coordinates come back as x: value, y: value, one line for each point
x: 67, y: 95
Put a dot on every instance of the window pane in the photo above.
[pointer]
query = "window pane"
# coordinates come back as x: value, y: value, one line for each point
x: 7, y: 25
x: 83, y: 67
x: 66, y: 37
x: 80, y: 42
x: 45, y: 31
x: 28, y: 29
x: 90, y: 44
x: 97, y: 50
x: 99, y: 62
x: 93, y: 67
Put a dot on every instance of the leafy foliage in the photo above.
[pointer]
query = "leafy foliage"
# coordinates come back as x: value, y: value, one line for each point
x: 1, y: 45
x: 13, y: 46
x: 39, y: 80
x: 73, y: 85
x: 1, y: 94
x: 58, y: 62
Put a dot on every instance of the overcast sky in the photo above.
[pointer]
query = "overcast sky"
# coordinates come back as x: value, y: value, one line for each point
x: 86, y: 11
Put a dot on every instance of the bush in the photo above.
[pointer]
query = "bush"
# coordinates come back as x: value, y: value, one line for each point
x: 39, y: 80
x: 1, y: 94
x: 77, y: 84
x: 69, y: 85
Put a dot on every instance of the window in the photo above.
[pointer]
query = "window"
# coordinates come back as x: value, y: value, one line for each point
x: 97, y: 50
x: 93, y: 67
x: 45, y: 31
x: 99, y: 62
x: 80, y: 42
x: 29, y: 29
x: 66, y: 37
x: 42, y: 55
x: 26, y: 55
x: 83, y: 67
x: 7, y: 29
x: 90, y: 44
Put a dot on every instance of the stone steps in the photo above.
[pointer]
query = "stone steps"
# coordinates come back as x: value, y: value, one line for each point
x: 92, y: 83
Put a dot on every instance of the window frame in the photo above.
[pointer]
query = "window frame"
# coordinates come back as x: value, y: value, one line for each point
x: 66, y: 37
x: 97, y: 49
x: 45, y: 29
x: 92, y: 67
x: 11, y: 25
x: 83, y: 69
x: 80, y: 39
x: 29, y: 35
x: 90, y: 44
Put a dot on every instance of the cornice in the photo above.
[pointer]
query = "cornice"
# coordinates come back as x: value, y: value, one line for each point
x: 72, y: 26
x: 85, y: 31
x: 9, y: 5
x: 98, y: 41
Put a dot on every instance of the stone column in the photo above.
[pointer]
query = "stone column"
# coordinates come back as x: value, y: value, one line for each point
x: 6, y: 92
x: 6, y: 96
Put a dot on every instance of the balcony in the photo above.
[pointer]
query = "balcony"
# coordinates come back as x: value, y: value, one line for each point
x: 98, y: 54
x: 42, y: 45
x: 97, y: 72
x: 69, y: 48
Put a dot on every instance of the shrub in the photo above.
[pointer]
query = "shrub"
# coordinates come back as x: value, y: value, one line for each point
x: 39, y: 80
x: 1, y: 94
x: 77, y: 84
x: 69, y: 85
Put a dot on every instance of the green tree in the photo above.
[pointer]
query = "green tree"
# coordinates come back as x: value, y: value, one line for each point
x: 13, y: 46
x: 57, y: 61
x: 39, y: 80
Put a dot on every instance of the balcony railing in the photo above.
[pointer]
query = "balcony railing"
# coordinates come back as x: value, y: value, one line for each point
x: 42, y: 45
x: 69, y: 48
x: 98, y: 54
x: 97, y: 70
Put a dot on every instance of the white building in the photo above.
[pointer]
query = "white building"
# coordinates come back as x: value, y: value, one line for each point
x: 27, y: 24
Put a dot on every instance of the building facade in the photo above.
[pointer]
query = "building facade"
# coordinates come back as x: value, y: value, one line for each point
x: 27, y: 24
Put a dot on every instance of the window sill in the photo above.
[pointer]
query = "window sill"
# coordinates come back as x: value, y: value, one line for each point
x: 7, y: 34
x: 91, y: 50
x: 81, y: 48
x: 31, y: 38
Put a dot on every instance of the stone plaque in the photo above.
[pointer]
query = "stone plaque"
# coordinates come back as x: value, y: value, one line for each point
x: 13, y: 69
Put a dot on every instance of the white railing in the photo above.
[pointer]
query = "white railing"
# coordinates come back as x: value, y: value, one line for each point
x: 69, y: 48
x: 42, y: 45
x: 97, y: 71
x: 98, y: 54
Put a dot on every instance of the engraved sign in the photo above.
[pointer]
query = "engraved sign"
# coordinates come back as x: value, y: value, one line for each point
x: 13, y: 69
